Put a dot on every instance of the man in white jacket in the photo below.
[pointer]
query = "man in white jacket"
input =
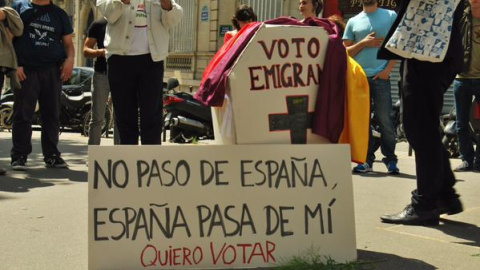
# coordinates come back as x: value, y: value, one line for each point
x: 136, y: 41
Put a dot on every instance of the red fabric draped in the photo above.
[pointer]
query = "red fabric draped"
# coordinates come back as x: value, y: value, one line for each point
x: 329, y: 110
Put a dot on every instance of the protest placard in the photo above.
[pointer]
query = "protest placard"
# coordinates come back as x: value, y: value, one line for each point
x: 273, y: 87
x: 220, y: 207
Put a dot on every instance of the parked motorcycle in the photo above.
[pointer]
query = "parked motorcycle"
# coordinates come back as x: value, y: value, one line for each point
x: 185, y: 117
x: 75, y: 107
x: 449, y: 124
x: 75, y: 110
x: 6, y: 110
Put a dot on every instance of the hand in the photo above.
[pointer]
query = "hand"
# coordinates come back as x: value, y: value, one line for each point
x: 101, y: 52
x: 372, y: 41
x: 66, y: 69
x: 475, y: 4
x: 9, y: 34
x: 383, y: 75
x: 21, y: 74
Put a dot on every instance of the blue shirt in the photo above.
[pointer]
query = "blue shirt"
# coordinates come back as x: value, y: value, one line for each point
x: 42, y: 41
x: 361, y: 25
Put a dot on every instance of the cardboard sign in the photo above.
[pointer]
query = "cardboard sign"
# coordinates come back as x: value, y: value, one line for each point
x: 219, y: 207
x: 273, y: 87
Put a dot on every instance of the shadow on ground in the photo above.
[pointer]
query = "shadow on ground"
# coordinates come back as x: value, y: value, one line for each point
x: 36, y: 175
x: 385, y: 174
x: 461, y: 230
x: 384, y: 261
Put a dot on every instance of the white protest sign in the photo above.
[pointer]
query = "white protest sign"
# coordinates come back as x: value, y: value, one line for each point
x: 273, y: 87
x: 219, y: 207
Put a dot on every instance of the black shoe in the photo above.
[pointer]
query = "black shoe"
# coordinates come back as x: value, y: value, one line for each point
x: 55, y: 162
x: 410, y: 216
x: 450, y: 207
x: 476, y: 166
x: 464, y: 167
x: 3, y: 171
x: 19, y: 164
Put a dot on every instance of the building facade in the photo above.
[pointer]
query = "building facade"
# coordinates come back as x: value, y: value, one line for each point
x: 200, y: 34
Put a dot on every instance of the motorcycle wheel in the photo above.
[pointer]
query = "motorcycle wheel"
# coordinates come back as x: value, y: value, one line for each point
x: 107, y: 123
x: 178, y: 136
x: 400, y: 132
x: 6, y: 117
x: 451, y: 144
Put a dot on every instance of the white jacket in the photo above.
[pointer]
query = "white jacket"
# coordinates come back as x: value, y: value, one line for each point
x: 120, y: 25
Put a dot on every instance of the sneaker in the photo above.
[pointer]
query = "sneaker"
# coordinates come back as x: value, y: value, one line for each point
x: 19, y: 164
x: 464, y: 167
x: 392, y: 168
x: 55, y: 162
x: 3, y: 171
x: 363, y: 168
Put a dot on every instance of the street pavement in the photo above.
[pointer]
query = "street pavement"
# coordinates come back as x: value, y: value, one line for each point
x: 43, y: 215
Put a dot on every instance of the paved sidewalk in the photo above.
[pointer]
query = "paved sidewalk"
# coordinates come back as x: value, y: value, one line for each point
x: 43, y: 214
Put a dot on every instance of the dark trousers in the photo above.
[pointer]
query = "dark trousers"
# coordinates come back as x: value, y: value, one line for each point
x: 136, y: 85
x: 2, y: 80
x: 45, y: 86
x: 424, y: 86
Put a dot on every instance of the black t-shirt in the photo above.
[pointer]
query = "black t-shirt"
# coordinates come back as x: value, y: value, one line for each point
x: 97, y: 31
x: 42, y: 41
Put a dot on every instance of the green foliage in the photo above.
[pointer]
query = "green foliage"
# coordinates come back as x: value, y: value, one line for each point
x: 312, y: 260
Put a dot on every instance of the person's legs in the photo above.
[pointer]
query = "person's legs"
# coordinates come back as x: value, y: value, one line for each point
x: 476, y: 93
x: 151, y: 103
x: 463, y: 94
x: 49, y: 102
x: 122, y: 75
x: 2, y: 81
x: 101, y: 90
x: 424, y: 86
x: 382, y: 104
x: 25, y: 100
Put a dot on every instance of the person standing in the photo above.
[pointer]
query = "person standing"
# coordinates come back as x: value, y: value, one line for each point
x: 363, y: 36
x: 310, y: 8
x: 243, y: 16
x: 424, y: 84
x: 101, y: 87
x: 45, y: 54
x: 467, y: 85
x: 137, y: 39
x: 10, y: 25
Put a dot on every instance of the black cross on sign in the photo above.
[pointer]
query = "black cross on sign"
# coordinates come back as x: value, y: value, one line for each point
x: 297, y: 120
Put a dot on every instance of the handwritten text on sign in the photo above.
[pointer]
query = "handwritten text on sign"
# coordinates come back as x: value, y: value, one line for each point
x: 174, y: 207
x: 282, y: 66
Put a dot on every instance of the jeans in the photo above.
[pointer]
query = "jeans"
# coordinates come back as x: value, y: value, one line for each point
x: 43, y: 85
x: 464, y: 90
x: 381, y: 97
x: 101, y: 90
